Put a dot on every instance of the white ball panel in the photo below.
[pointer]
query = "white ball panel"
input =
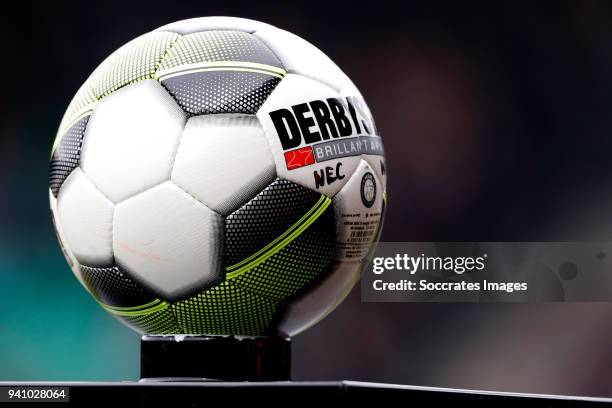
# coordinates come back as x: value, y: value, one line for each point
x: 194, y: 25
x: 223, y: 160
x: 321, y: 300
x: 358, y: 208
x: 72, y: 261
x: 377, y: 162
x: 300, y: 57
x: 169, y: 241
x: 348, y: 88
x: 379, y: 166
x: 293, y: 90
x: 85, y: 218
x: 131, y: 139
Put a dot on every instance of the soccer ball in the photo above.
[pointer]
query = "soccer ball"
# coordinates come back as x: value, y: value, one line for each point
x: 218, y: 176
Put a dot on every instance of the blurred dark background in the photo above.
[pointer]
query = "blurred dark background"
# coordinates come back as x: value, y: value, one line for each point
x: 497, y: 124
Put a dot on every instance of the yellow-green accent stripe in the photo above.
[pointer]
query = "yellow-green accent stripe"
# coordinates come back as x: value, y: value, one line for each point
x: 280, y: 237
x: 281, y: 241
x: 220, y: 66
x: 123, y: 312
x: 128, y: 308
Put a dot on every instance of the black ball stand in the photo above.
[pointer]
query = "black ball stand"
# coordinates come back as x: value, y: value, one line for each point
x: 205, y: 370
x: 215, y: 358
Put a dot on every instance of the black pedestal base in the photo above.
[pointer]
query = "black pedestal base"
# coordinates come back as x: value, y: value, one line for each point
x: 224, y: 358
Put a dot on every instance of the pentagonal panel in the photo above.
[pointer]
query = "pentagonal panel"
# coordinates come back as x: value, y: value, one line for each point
x: 320, y: 300
x: 223, y: 160
x: 194, y: 25
x: 85, y: 218
x: 169, y: 241
x: 131, y: 139
x: 220, y: 71
x: 312, y: 134
x: 298, y: 56
x: 359, y: 207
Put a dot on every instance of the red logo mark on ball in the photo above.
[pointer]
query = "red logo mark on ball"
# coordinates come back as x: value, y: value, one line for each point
x: 299, y: 158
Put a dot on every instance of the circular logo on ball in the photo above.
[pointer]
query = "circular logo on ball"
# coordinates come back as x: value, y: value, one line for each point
x: 368, y: 189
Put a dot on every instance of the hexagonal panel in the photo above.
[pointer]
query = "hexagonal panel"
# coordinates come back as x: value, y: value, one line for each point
x: 281, y: 241
x: 70, y: 258
x: 275, y: 212
x: 223, y: 160
x: 359, y: 210
x: 131, y: 139
x: 311, y: 134
x: 374, y: 152
x: 168, y: 241
x: 85, y: 219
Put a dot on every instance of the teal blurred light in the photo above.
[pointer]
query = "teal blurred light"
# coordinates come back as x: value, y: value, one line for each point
x: 50, y: 327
